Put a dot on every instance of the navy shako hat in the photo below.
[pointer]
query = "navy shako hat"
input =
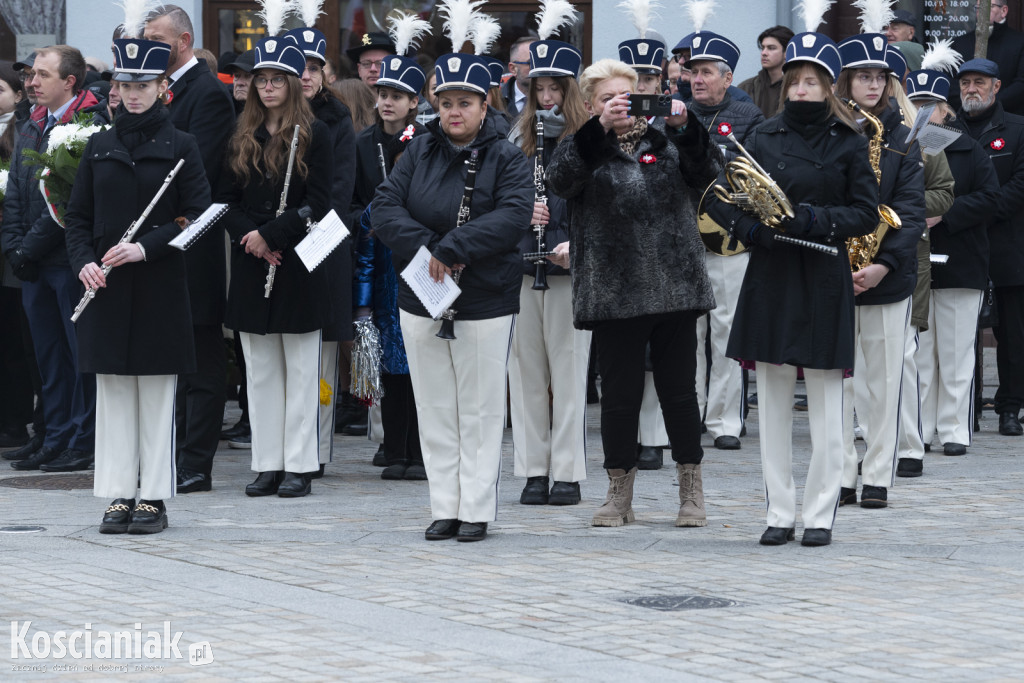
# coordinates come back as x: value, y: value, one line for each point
x: 643, y: 54
x: 140, y: 60
x: 865, y: 51
x: 706, y: 46
x: 896, y: 61
x: 401, y: 73
x: 928, y: 83
x: 280, y: 53
x: 457, y: 71
x: 497, y: 69
x: 985, y: 67
x: 815, y: 48
x: 311, y: 41
x: 554, y: 58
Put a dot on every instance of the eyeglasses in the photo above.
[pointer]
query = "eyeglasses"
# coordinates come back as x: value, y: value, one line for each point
x: 521, y: 63
x: 369, y: 64
x: 26, y: 75
x: 868, y: 79
x: 275, y: 82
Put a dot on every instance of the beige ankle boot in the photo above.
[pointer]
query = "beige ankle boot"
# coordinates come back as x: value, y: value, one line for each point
x: 618, y: 506
x: 691, y: 496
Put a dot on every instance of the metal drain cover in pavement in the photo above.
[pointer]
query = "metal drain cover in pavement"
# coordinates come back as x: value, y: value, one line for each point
x: 675, y: 603
x: 21, y: 529
x: 60, y: 482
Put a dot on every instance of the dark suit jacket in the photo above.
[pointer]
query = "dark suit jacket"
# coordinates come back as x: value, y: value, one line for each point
x: 1005, y: 48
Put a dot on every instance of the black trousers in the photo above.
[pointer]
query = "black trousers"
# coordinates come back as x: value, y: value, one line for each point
x: 621, y: 350
x: 243, y: 384
x: 199, y: 409
x: 1010, y: 349
x: 15, y: 378
x: 398, y: 416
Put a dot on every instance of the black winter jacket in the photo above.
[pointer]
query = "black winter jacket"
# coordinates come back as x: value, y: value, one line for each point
x: 419, y: 203
x: 739, y: 117
x: 1005, y: 48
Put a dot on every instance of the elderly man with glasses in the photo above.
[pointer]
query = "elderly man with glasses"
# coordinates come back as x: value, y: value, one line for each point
x: 1005, y: 48
x: 369, y: 54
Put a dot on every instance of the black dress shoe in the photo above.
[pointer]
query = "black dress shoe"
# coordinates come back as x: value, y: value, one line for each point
x: 118, y: 516
x: 265, y: 485
x: 191, y: 482
x: 394, y: 472
x: 873, y: 497
x: 319, y: 474
x: 649, y: 458
x: 294, y: 485
x: 847, y: 496
x: 1009, y: 425
x: 148, y: 517
x: 26, y: 451
x: 564, y: 493
x: 951, y: 448
x: 777, y: 535
x: 727, y: 443
x: 909, y: 467
x: 442, y: 529
x: 379, y: 459
x: 13, y: 437
x: 241, y: 428
x: 71, y: 460
x: 40, y: 457
x: 471, y: 531
x: 415, y: 473
x: 816, y: 537
x: 242, y: 442
x: 927, y: 448
x: 535, y: 492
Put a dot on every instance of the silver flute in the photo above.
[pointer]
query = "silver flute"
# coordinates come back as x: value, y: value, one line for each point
x: 129, y: 234
x: 272, y: 271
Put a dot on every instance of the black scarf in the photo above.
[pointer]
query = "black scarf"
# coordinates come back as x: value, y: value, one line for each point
x: 134, y: 129
x: 977, y: 123
x: 809, y: 120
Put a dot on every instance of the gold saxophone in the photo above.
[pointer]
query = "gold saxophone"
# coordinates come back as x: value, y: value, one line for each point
x: 863, y: 249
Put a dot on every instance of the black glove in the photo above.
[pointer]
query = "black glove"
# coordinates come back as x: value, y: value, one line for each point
x: 761, y: 235
x: 24, y: 269
x: 800, y: 224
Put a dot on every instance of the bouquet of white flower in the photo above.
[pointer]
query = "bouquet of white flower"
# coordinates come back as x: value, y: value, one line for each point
x: 59, y: 163
x: 4, y: 172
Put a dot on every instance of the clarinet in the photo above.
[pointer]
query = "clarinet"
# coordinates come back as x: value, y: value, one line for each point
x: 129, y: 234
x: 447, y: 330
x: 268, y: 287
x: 540, y: 272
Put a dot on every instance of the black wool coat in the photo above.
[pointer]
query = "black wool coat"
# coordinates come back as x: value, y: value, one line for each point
x: 634, y: 247
x: 1005, y: 48
x: 201, y: 107
x: 368, y: 171
x: 1003, y: 139
x: 140, y: 323
x: 300, y: 301
x: 419, y: 203
x: 796, y: 304
x: 963, y: 232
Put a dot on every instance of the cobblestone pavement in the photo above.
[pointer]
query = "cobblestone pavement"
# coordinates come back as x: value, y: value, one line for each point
x: 341, y: 584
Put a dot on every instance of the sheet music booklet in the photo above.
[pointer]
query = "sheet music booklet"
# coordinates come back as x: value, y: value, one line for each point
x: 436, y: 297
x: 187, y: 237
x: 323, y: 238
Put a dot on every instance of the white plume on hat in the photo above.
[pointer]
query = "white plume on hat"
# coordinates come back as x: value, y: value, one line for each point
x: 407, y: 30
x: 700, y: 11
x: 136, y: 12
x: 940, y: 56
x: 553, y: 15
x: 875, y: 15
x: 273, y: 14
x: 308, y: 10
x: 641, y: 12
x: 813, y: 13
x: 485, y: 29
x: 458, y: 20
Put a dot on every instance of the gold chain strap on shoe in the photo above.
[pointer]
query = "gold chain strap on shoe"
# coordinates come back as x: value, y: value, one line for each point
x: 119, y: 507
x: 146, y: 507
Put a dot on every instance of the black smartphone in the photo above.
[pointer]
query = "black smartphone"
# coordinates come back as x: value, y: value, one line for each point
x: 650, y: 105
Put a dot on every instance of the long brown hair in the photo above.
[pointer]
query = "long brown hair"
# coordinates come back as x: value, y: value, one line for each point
x: 835, y: 107
x: 360, y: 99
x: 573, y: 109
x: 246, y: 152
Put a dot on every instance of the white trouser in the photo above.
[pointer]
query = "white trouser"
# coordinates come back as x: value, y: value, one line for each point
x: 720, y: 402
x: 651, y: 430
x: 911, y: 434
x: 460, y: 405
x: 283, y: 371
x: 547, y: 351
x: 329, y: 374
x: 135, y: 436
x: 881, y: 340
x: 947, y: 390
x: 775, y: 384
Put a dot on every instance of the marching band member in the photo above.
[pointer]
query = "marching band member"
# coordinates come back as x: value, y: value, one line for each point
x: 796, y: 305
x: 946, y: 353
x: 280, y: 333
x: 638, y: 273
x: 884, y: 286
x: 137, y: 333
x: 547, y: 351
x: 459, y: 383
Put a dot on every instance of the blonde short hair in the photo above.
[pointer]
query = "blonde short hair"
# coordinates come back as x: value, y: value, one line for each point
x: 601, y: 71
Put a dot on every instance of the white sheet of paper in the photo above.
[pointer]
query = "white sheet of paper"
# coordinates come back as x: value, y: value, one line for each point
x: 435, y: 296
x: 933, y: 139
x: 923, y: 114
x: 189, y: 235
x: 321, y: 240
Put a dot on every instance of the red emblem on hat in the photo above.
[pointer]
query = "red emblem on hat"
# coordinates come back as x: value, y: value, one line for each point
x: 724, y: 129
x: 998, y: 144
x: 648, y: 159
